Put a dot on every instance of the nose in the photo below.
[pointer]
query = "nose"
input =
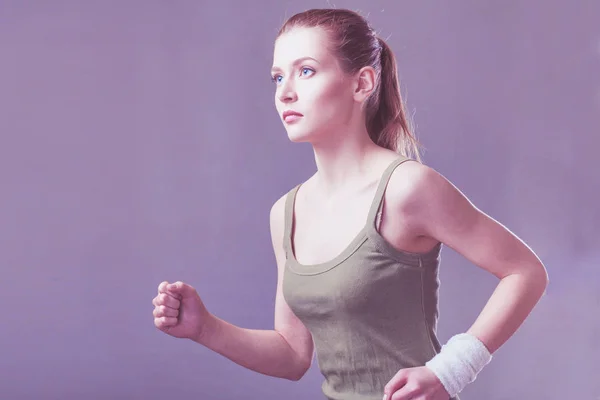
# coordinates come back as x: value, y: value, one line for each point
x: 287, y: 92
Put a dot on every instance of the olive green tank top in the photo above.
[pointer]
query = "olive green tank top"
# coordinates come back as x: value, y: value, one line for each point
x: 372, y: 310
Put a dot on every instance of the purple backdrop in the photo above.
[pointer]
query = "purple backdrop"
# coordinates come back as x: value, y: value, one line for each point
x: 139, y: 143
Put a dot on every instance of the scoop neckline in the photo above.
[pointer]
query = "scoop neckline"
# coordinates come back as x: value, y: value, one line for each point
x: 359, y: 238
x: 309, y: 269
x: 368, y: 232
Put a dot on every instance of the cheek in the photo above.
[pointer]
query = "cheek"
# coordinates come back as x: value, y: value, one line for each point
x: 329, y: 99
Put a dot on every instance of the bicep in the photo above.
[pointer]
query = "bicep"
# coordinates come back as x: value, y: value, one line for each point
x: 451, y: 218
x: 485, y: 242
x: 286, y: 322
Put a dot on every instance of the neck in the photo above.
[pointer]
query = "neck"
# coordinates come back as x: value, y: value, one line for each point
x: 344, y: 160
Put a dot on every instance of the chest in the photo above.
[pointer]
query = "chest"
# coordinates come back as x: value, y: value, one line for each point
x: 320, y: 233
x: 323, y: 232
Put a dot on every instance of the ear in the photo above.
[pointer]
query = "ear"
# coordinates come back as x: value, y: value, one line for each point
x: 365, y: 81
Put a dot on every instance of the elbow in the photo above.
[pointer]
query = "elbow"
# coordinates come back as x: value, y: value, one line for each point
x: 544, y: 279
x: 299, y: 371
x: 539, y: 278
x: 297, y: 375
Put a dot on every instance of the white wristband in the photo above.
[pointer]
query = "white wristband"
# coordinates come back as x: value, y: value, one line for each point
x: 459, y: 362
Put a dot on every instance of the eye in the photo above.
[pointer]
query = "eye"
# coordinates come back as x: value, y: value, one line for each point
x: 276, y: 78
x: 306, y: 71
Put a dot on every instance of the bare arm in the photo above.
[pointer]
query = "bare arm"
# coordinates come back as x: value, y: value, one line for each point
x: 285, y: 352
x: 441, y: 211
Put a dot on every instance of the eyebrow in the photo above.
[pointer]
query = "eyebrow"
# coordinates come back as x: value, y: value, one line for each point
x: 296, y: 62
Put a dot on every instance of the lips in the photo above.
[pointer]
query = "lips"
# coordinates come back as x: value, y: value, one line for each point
x: 291, y: 115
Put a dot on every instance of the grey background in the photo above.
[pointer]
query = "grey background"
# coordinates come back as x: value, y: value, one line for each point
x: 139, y: 142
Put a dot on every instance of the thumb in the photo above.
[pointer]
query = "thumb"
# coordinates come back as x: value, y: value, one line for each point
x: 182, y: 289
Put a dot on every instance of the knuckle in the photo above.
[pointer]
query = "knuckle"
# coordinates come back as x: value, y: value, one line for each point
x: 414, y: 389
x: 162, y: 321
x: 172, y: 302
x: 162, y: 285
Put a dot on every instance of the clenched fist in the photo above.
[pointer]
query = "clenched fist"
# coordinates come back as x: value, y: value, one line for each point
x: 179, y: 311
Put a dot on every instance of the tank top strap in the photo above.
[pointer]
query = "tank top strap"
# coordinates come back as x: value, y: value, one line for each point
x: 289, y: 220
x: 377, y: 203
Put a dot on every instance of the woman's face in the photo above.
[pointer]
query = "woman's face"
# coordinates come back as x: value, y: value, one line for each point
x: 309, y: 82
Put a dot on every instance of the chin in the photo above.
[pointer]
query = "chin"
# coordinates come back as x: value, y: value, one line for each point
x: 298, y: 139
x: 299, y: 136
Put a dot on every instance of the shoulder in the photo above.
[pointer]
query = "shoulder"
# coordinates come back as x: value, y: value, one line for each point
x: 422, y: 194
x: 277, y: 225
x: 411, y: 182
x: 277, y: 217
x: 277, y: 213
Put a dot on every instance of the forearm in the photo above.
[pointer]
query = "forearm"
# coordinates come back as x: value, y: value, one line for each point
x: 263, y: 351
x: 512, y: 301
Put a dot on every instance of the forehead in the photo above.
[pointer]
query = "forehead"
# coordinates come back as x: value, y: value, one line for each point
x: 298, y: 43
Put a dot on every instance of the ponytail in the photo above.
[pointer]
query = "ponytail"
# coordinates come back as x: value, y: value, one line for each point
x: 387, y: 122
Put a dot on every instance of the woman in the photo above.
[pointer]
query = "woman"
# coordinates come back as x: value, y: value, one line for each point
x: 357, y: 245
